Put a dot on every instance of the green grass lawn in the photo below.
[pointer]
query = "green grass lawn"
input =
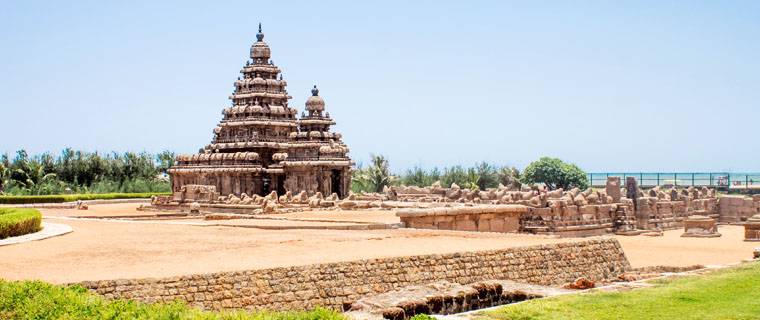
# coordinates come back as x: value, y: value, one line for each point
x: 38, y: 300
x: 725, y: 294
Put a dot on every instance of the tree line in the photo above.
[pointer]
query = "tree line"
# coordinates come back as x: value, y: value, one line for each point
x: 552, y: 173
x: 74, y: 171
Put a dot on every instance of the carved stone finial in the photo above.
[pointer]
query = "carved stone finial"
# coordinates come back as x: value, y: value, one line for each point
x: 260, y: 35
x: 315, y: 91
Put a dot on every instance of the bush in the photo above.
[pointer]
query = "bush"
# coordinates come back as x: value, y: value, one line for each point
x: 17, y: 222
x: 39, y: 300
x: 554, y: 173
x: 74, y: 197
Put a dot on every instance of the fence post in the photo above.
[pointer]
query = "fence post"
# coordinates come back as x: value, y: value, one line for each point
x: 711, y: 183
x: 641, y: 178
x: 658, y: 179
x: 692, y: 179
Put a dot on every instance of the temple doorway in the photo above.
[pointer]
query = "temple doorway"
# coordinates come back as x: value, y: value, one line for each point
x: 335, y: 183
x: 280, y: 185
x: 265, y: 186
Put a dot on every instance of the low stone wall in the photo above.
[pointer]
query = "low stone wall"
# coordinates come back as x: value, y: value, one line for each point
x: 736, y: 208
x: 336, y: 285
x: 487, y: 218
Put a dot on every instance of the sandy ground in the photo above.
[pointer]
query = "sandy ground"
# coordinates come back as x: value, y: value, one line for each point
x: 673, y: 250
x: 370, y: 216
x: 108, y: 249
x: 100, y: 210
x: 113, y: 249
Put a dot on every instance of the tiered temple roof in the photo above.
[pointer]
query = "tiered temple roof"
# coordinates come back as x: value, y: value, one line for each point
x: 260, y: 145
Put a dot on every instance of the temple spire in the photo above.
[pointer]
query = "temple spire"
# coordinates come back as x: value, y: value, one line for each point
x: 260, y: 35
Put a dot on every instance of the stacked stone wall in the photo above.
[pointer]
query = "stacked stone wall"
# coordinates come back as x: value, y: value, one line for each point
x: 485, y: 218
x: 336, y: 285
x: 737, y: 208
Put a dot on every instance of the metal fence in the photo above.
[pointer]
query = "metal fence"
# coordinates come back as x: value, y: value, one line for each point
x: 725, y: 180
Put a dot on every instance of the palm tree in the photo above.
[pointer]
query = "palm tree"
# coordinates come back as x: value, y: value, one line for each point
x: 510, y: 177
x: 5, y: 173
x: 487, y: 177
x: 165, y: 161
x: 376, y: 176
x: 35, y: 179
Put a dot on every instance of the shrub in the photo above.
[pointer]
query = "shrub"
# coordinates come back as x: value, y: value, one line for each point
x: 40, y: 300
x: 16, y: 222
x: 555, y: 173
x: 74, y: 197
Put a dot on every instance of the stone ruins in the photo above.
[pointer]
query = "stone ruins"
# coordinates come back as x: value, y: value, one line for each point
x: 262, y: 146
x: 264, y: 158
x: 574, y: 212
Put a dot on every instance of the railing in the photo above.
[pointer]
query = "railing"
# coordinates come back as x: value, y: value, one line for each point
x: 685, y: 179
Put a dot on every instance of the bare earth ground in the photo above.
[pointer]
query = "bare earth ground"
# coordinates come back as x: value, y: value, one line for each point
x: 113, y: 249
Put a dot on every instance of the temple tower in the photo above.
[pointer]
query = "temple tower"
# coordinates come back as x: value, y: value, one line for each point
x: 261, y: 146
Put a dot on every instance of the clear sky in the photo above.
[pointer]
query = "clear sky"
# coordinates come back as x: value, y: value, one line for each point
x: 608, y: 85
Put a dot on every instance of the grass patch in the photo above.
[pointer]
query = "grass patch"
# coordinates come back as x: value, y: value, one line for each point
x: 16, y: 222
x: 725, y: 294
x: 74, y: 197
x: 40, y: 300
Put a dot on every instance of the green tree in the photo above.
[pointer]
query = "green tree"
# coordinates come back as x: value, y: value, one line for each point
x: 376, y: 176
x: 36, y: 181
x: 456, y: 174
x: 487, y: 176
x: 417, y: 176
x: 510, y: 177
x: 165, y: 160
x: 554, y: 173
x: 5, y: 173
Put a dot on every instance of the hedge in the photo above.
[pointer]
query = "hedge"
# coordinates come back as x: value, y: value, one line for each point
x: 16, y: 222
x: 58, y: 198
x: 40, y: 300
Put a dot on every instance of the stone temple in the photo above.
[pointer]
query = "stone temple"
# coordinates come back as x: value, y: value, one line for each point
x: 261, y: 145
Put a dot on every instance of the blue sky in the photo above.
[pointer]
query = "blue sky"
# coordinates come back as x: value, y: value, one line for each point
x: 608, y: 85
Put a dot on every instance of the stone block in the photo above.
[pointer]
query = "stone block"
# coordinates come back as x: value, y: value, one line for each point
x: 466, y: 225
x: 590, y: 209
x: 484, y: 225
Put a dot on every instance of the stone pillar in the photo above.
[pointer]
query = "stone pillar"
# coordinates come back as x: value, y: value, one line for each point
x: 752, y: 228
x: 613, y: 188
x: 640, y: 209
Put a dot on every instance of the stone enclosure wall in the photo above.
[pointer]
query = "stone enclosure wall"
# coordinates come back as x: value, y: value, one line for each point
x: 336, y: 285
x: 570, y: 220
x: 485, y: 218
x: 738, y: 208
